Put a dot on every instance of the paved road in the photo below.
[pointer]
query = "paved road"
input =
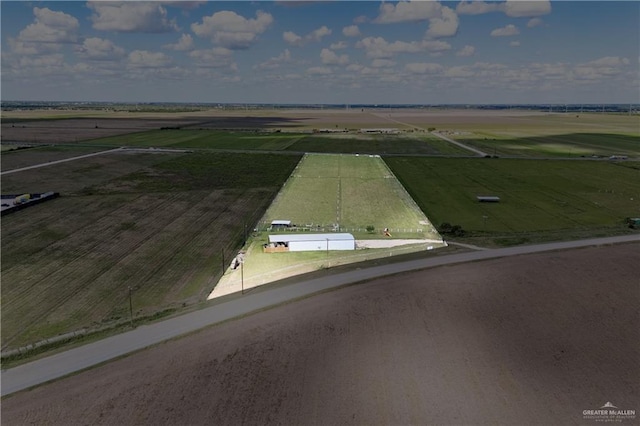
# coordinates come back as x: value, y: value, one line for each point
x: 460, y: 144
x: 50, y: 163
x: 56, y: 366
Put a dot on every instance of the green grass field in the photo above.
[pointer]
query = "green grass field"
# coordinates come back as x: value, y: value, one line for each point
x: 536, y: 196
x: 348, y: 190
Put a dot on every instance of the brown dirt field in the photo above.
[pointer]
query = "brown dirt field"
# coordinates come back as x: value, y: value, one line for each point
x: 534, y: 339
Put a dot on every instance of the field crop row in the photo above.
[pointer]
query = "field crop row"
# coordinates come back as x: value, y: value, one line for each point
x: 68, y: 263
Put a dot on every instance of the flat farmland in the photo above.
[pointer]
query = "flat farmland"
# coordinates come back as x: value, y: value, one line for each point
x: 352, y: 143
x: 349, y: 190
x: 536, y: 196
x: 74, y: 129
x: 207, y: 139
x: 17, y: 158
x: 554, y: 135
x: 68, y: 263
x: 524, y: 340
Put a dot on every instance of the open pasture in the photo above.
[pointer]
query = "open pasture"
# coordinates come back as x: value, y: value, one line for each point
x: 347, y: 190
x: 68, y: 264
x: 535, y: 196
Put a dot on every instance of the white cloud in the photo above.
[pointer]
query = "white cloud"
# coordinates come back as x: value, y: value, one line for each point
x: 435, y: 45
x: 534, y: 22
x: 339, y: 45
x: 424, y: 68
x: 466, y: 51
x: 477, y: 7
x: 230, y: 30
x: 185, y: 43
x: 378, y: 47
x: 527, y: 9
x: 382, y: 63
x: 292, y: 38
x: 459, y: 72
x: 329, y: 57
x: 444, y: 26
x: 144, y: 17
x: 354, y: 67
x: 316, y: 35
x: 95, y: 48
x: 50, y: 27
x: 218, y: 57
x: 351, y: 31
x: 509, y: 30
x: 147, y: 59
x: 443, y: 21
x: 276, y: 61
x: 319, y: 70
x: 514, y: 44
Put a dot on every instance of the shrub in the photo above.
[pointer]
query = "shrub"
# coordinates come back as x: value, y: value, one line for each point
x: 370, y: 229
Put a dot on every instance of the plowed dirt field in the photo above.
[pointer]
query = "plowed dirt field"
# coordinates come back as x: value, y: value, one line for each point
x: 535, y: 339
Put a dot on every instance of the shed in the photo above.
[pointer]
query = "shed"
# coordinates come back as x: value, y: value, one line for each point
x: 280, y: 223
x: 310, y: 242
x: 488, y: 199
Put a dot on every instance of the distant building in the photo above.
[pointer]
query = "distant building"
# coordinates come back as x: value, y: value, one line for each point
x: 391, y: 131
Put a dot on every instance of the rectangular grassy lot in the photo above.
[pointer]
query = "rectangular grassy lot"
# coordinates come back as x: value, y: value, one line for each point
x: 537, y: 196
x: 352, y: 191
x: 157, y: 223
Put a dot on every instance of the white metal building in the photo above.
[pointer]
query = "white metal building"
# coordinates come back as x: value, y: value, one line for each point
x: 314, y: 242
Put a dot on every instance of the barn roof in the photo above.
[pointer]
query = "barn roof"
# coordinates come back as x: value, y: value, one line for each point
x: 281, y: 222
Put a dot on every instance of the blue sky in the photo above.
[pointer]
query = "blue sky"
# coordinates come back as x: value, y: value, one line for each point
x: 322, y: 52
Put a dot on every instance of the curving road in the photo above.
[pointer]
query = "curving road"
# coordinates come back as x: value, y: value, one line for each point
x: 71, y: 361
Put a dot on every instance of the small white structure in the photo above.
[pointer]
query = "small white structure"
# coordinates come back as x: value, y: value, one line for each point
x: 275, y: 224
x: 310, y: 242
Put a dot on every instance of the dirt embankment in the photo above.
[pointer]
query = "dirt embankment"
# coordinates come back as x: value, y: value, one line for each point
x: 535, y: 339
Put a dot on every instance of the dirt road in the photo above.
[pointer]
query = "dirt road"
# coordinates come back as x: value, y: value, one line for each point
x: 535, y: 339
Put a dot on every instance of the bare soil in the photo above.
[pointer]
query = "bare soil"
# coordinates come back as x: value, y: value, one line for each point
x: 534, y: 339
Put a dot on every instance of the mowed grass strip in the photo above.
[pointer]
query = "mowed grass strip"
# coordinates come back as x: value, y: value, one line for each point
x: 535, y: 195
x: 68, y: 263
x: 349, y: 190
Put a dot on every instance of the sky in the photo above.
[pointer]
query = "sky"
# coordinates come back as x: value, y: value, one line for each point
x: 333, y: 52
